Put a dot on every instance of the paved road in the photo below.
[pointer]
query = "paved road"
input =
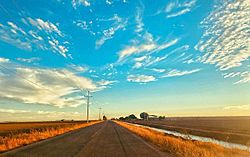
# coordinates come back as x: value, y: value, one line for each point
x: 106, y: 139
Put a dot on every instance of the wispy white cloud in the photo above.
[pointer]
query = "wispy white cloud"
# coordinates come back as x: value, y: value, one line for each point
x: 106, y: 82
x: 138, y: 65
x: 231, y: 74
x: 141, y: 78
x: 13, y: 111
x: 44, y: 25
x: 226, y: 41
x: 181, y: 12
x: 77, y: 3
x: 237, y: 107
x: 109, y: 2
x: 11, y: 35
x: 145, y: 47
x: 55, y: 45
x: 82, y: 24
x: 175, y: 8
x: 4, y: 60
x: 78, y: 68
x: 138, y: 20
x: 35, y: 35
x: 118, y: 24
x: 56, y: 87
x: 29, y: 60
x: 158, y: 70
x: 30, y: 115
x: 170, y: 6
x: 140, y: 59
x: 176, y: 72
x: 128, y: 51
x: 152, y: 60
x: 244, y: 78
x: 42, y: 35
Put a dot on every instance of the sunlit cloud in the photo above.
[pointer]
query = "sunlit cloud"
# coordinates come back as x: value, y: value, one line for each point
x: 4, y: 60
x: 158, y: 70
x: 176, y: 72
x: 78, y: 68
x: 138, y: 20
x: 118, y: 24
x: 237, y: 107
x: 106, y: 82
x: 226, y: 41
x: 13, y: 111
x: 43, y: 35
x: 109, y: 2
x: 30, y: 115
x: 146, y: 47
x: 174, y: 9
x: 244, y: 78
x: 82, y: 24
x: 77, y: 3
x: 56, y: 87
x: 140, y: 78
x: 44, y: 25
x: 29, y: 60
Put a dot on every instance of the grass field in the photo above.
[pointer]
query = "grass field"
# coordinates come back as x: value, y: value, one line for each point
x: 17, y: 127
x: 230, y: 129
x: 13, y: 135
x: 181, y: 147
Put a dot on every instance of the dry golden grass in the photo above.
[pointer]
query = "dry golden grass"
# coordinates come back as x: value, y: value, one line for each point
x: 184, y: 148
x: 12, y: 141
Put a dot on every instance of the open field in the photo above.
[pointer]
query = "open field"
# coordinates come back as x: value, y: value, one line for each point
x: 111, y: 139
x: 13, y: 135
x: 21, y: 127
x: 184, y: 148
x: 230, y: 129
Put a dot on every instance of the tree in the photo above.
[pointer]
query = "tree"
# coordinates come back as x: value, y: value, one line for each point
x: 161, y: 117
x: 121, y: 118
x: 131, y: 117
x: 144, y: 115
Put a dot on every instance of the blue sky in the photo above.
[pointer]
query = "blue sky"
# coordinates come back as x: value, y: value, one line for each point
x: 174, y: 58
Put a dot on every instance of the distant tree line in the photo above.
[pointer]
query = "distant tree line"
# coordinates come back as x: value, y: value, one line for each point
x: 143, y: 115
x: 130, y: 117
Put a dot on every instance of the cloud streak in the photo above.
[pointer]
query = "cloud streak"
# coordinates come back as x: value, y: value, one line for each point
x: 29, y: 60
x: 175, y: 72
x: 237, y: 107
x: 118, y: 24
x: 174, y: 9
x: 145, y: 47
x: 141, y: 78
x: 30, y: 115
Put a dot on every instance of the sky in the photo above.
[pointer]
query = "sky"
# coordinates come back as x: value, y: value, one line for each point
x: 172, y: 58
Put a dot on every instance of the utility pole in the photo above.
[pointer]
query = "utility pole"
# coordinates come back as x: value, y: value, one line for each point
x: 88, y: 96
x: 100, y: 113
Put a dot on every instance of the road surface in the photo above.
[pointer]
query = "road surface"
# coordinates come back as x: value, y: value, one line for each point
x: 105, y: 139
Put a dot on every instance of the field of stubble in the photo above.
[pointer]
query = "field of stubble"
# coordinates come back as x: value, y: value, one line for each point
x: 230, y: 129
